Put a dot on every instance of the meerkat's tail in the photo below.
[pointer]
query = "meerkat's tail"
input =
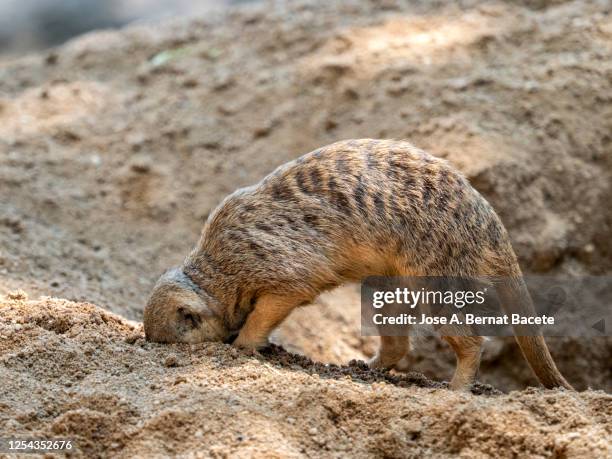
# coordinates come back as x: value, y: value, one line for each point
x: 515, y: 298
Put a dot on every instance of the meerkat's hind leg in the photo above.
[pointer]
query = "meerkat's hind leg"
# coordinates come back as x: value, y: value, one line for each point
x: 391, y: 352
x: 467, y: 350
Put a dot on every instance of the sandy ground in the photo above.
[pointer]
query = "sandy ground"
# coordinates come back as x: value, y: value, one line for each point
x: 115, y: 147
x: 73, y: 370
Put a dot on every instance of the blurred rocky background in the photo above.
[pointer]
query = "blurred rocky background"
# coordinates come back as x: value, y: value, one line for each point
x: 27, y: 25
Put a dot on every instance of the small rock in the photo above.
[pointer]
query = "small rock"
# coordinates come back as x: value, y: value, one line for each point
x: 209, y: 350
x: 226, y: 109
x: 136, y: 139
x: 320, y: 441
x: 132, y: 338
x: 398, y: 88
x: 262, y: 131
x: 233, y: 352
x: 171, y: 361
x: 141, y: 164
x: 330, y: 124
x: 223, y: 81
x: 51, y: 59
x: 14, y: 224
x: 338, y: 64
x: 190, y: 83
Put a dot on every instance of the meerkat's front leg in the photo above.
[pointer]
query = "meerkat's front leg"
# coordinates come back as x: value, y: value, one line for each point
x: 269, y: 312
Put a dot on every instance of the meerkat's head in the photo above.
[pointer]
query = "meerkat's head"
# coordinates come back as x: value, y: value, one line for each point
x: 178, y: 311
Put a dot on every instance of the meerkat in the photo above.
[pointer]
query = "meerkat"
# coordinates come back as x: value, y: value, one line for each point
x: 339, y: 214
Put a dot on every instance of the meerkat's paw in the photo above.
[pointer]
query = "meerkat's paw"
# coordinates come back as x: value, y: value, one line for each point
x: 379, y: 361
x: 461, y: 382
x: 460, y: 386
x: 245, y: 343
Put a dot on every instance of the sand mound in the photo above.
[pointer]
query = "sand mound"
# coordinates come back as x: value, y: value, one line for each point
x: 73, y: 370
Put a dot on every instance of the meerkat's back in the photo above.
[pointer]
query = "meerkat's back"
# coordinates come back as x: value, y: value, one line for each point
x: 383, y: 200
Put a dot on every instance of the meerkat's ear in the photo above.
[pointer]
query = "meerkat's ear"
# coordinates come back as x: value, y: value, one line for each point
x: 189, y: 317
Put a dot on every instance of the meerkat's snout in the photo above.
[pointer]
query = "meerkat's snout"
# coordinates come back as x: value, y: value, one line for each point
x: 178, y: 313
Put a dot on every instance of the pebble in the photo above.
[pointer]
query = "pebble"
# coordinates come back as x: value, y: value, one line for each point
x: 171, y: 361
x: 132, y: 338
x: 141, y: 164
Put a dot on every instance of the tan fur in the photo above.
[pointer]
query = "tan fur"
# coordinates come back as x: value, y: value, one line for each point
x: 341, y: 213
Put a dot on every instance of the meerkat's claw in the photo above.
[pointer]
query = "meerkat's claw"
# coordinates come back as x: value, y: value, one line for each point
x: 243, y: 343
x: 378, y: 362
